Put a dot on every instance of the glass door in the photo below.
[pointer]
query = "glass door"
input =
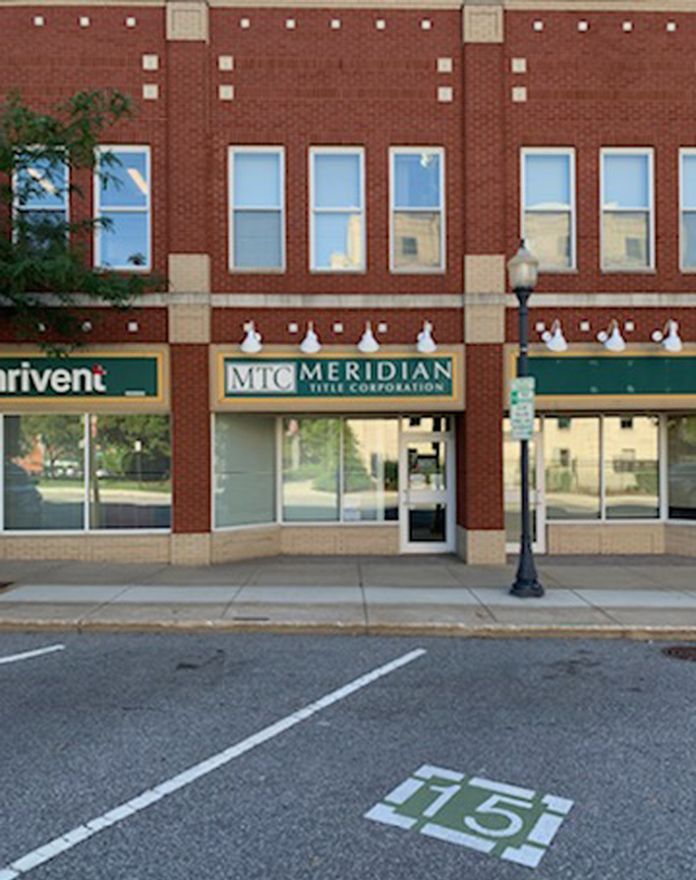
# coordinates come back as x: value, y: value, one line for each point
x: 511, y: 489
x: 427, y: 475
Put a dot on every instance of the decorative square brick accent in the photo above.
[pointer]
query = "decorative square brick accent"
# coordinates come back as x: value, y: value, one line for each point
x: 519, y: 94
x: 445, y: 94
x: 226, y: 93
x: 187, y: 20
x: 444, y: 65
x: 483, y: 24
x: 150, y: 62
x: 226, y: 62
x: 189, y: 273
x: 150, y: 92
x: 519, y: 65
x: 484, y: 273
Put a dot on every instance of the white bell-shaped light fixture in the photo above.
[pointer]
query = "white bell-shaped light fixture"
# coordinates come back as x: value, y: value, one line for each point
x: 251, y: 344
x: 368, y: 344
x: 424, y: 341
x: 310, y: 344
x: 611, y: 338
x: 554, y: 338
x: 671, y: 341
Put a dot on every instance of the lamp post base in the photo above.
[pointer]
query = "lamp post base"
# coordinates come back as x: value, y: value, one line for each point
x: 526, y: 585
x: 527, y: 589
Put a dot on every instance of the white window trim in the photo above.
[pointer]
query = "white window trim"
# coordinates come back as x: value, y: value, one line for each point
x: 441, y: 268
x: 683, y: 153
x: 15, y: 201
x: 352, y: 151
x: 147, y: 210
x: 628, y: 151
x: 280, y: 152
x: 551, y: 151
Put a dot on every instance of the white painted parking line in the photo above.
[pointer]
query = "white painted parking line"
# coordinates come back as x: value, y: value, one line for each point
x: 27, y: 655
x: 67, y: 841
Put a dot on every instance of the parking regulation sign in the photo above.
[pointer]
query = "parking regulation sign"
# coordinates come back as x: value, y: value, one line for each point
x: 522, y: 408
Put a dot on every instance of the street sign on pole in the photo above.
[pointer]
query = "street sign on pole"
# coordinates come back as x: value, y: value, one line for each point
x: 522, y: 408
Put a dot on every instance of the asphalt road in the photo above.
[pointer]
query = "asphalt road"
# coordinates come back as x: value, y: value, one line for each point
x: 610, y: 726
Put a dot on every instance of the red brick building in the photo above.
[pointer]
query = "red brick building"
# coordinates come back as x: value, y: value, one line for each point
x: 352, y: 178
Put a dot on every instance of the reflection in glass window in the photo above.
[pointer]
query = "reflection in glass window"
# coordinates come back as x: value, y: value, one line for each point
x: 571, y: 464
x: 630, y: 467
x: 370, y: 470
x: 130, y: 472
x: 547, y: 218
x: 627, y: 209
x: 123, y: 203
x: 311, y: 450
x: 44, y: 479
x: 417, y: 206
x: 41, y: 200
x: 688, y: 209
x: 337, y: 212
x: 681, y: 443
x: 257, y: 192
x: 245, y: 469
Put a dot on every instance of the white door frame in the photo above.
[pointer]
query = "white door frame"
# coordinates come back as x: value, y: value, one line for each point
x: 446, y: 496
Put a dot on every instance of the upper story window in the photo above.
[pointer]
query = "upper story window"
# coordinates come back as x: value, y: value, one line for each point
x: 548, y: 206
x: 417, y: 209
x: 337, y: 215
x: 687, y: 202
x: 257, y: 206
x: 122, y: 199
x: 41, y: 197
x: 627, y: 209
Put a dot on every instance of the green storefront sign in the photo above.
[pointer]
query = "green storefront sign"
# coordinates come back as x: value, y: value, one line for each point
x: 391, y: 377
x: 93, y: 376
x: 614, y: 375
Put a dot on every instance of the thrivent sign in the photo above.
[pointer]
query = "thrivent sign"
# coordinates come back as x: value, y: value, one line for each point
x: 338, y: 377
x: 73, y: 378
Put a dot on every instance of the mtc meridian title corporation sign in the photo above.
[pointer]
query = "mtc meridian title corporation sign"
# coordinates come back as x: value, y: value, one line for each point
x: 333, y: 377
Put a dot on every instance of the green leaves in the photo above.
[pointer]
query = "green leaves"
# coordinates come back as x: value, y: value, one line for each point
x: 46, y: 274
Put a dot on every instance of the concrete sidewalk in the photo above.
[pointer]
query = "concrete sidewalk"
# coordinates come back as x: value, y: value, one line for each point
x: 640, y: 597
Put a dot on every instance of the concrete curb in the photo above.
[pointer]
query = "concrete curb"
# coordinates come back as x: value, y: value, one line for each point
x: 488, y: 631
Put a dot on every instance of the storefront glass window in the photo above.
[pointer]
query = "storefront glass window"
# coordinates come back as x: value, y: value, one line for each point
x: 44, y: 479
x: 370, y: 470
x: 681, y: 442
x: 630, y: 467
x: 571, y: 463
x: 245, y: 470
x: 130, y: 472
x: 311, y: 478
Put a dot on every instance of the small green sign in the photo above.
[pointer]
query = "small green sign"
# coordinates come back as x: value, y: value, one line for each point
x: 85, y: 376
x: 522, y: 408
x: 338, y: 377
x: 515, y: 824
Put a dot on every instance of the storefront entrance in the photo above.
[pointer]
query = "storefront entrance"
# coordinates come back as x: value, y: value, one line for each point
x: 427, y: 480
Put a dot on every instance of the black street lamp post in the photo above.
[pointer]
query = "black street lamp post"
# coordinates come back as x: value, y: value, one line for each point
x: 523, y: 271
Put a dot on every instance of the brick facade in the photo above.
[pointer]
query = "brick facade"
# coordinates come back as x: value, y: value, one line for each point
x: 302, y: 76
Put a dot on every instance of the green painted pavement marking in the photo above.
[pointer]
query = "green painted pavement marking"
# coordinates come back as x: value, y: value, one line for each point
x: 515, y: 824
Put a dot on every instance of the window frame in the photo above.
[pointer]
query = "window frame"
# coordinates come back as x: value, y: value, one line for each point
x: 552, y: 151
x: 683, y: 153
x: 87, y: 452
x: 147, y: 210
x: 315, y: 151
x: 17, y: 209
x: 253, y: 148
x: 442, y: 268
x: 649, y: 152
